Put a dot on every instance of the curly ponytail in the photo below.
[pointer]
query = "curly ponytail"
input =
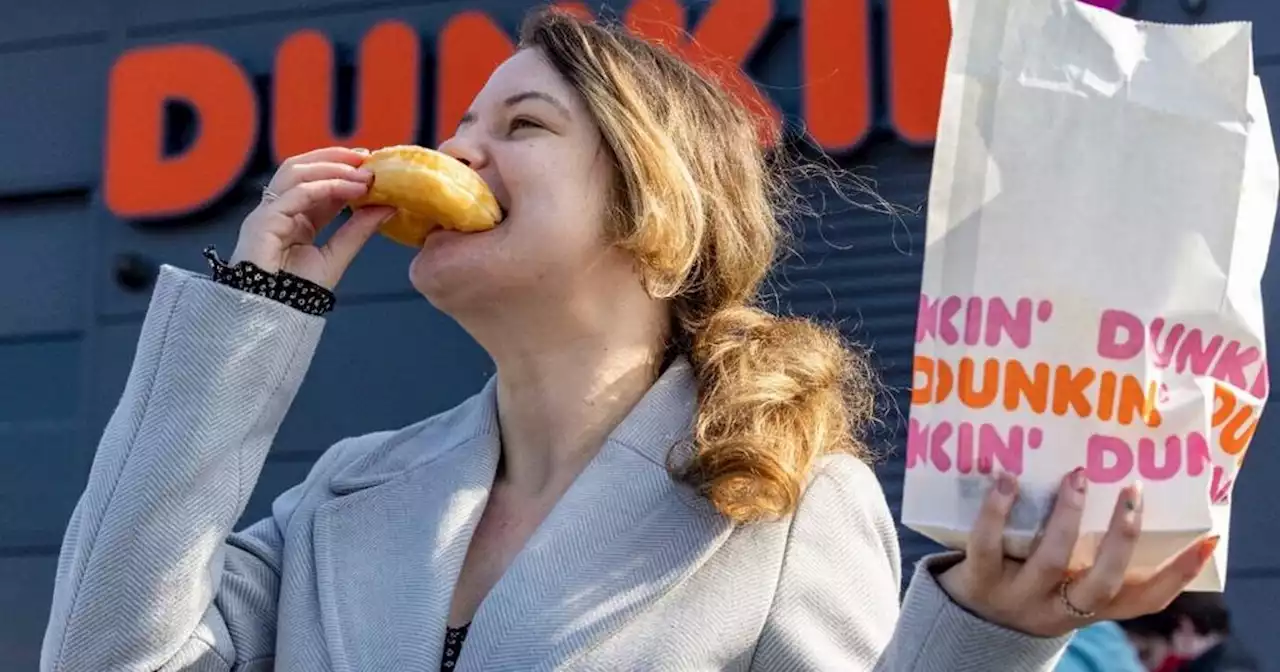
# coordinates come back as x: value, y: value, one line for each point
x: 699, y: 205
x: 775, y: 394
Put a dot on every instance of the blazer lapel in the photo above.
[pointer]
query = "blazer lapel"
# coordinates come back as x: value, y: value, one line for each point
x: 621, y: 537
x: 388, y: 550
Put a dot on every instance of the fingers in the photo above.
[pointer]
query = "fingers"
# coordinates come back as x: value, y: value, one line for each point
x: 1158, y: 591
x: 326, y: 194
x: 315, y: 185
x: 985, y: 550
x: 1050, y: 562
x: 1104, y: 580
x: 292, y: 176
x: 353, y: 157
x: 346, y: 242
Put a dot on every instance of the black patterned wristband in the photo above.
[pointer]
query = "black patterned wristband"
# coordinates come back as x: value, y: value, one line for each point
x: 281, y: 286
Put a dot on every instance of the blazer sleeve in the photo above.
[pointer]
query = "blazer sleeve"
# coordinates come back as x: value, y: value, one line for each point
x: 150, y: 576
x: 837, y: 601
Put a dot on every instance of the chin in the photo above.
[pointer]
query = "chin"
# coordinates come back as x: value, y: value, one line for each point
x: 454, y: 270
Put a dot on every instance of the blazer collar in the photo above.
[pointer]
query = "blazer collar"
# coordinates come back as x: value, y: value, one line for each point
x: 423, y: 442
x: 663, y: 418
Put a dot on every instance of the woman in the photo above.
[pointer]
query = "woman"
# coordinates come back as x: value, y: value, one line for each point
x: 659, y: 476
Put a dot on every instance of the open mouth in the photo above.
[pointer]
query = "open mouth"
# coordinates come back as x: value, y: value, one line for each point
x: 502, y: 199
x: 504, y: 209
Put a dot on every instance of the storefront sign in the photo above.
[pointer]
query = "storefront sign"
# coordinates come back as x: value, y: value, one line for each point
x: 835, y: 64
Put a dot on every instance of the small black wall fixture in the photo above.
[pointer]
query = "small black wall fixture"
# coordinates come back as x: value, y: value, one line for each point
x: 1194, y: 7
x: 135, y: 272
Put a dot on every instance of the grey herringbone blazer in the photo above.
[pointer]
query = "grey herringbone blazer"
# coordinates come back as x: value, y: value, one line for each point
x: 353, y: 570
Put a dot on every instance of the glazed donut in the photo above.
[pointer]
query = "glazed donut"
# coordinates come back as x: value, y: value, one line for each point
x: 428, y: 189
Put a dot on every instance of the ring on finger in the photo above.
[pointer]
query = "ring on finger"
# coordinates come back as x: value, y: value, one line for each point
x: 268, y: 195
x: 1073, y: 610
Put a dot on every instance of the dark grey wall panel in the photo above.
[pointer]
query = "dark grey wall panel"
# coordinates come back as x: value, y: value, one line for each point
x: 381, y: 366
x: 169, y: 18
x: 254, y: 43
x: 861, y: 266
x: 46, y: 251
x: 25, y: 22
x: 41, y: 476
x: 25, y: 585
x: 51, y: 116
x: 164, y: 16
x: 41, y: 380
x: 1253, y: 601
x: 1254, y: 523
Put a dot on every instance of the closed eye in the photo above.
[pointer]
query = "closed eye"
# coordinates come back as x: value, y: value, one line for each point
x: 524, y: 122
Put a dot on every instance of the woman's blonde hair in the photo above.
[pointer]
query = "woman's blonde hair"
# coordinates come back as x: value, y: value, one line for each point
x: 702, y: 205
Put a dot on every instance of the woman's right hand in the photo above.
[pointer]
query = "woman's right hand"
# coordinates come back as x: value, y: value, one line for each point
x: 310, y: 190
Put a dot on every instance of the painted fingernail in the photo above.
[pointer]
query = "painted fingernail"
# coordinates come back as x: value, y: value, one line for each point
x: 360, y: 150
x: 1207, y: 547
x: 1006, y: 484
x: 1132, y: 501
x: 1077, y: 484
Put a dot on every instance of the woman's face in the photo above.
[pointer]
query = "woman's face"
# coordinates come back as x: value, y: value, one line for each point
x: 532, y: 139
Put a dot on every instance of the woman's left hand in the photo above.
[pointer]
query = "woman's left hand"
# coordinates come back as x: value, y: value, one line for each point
x: 1030, y: 597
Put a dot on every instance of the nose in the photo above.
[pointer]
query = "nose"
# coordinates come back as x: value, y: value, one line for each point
x: 464, y: 147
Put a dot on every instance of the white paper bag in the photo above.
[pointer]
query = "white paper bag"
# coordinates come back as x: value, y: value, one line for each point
x: 1103, y: 196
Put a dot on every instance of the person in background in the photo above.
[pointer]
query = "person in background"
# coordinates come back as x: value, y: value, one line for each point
x: 1192, y: 634
x: 1101, y: 647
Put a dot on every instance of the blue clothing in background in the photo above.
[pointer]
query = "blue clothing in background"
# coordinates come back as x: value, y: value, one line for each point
x: 1102, y: 647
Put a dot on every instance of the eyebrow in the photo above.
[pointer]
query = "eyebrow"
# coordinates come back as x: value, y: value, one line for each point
x: 517, y: 98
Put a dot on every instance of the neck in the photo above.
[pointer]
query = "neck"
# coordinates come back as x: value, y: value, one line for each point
x: 561, y: 395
